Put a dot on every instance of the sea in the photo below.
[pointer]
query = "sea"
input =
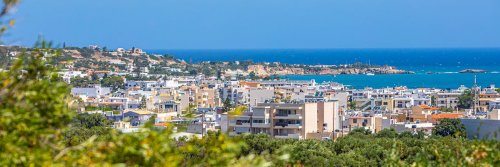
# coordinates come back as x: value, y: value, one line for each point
x: 434, y: 67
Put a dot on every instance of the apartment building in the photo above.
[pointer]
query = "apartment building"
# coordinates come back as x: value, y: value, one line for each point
x: 288, y: 120
x: 447, y: 99
x: 94, y: 91
x: 370, y: 121
x: 259, y: 96
x: 485, y: 100
x: 206, y: 98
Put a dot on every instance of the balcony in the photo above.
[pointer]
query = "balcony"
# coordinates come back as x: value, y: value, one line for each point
x: 285, y: 125
x: 288, y: 116
x: 239, y: 124
x: 260, y: 116
x: 261, y: 125
x: 288, y: 136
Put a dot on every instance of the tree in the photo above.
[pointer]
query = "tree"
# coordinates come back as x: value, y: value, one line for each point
x: 388, y: 133
x: 219, y: 74
x: 227, y: 106
x: 90, y: 120
x: 352, y: 105
x: 465, y: 100
x: 362, y: 131
x: 444, y: 109
x: 84, y: 126
x: 252, y: 76
x: 34, y: 108
x: 433, y: 101
x: 143, y: 102
x: 115, y: 82
x: 450, y: 127
x: 405, y: 134
x: 193, y: 72
x: 82, y: 81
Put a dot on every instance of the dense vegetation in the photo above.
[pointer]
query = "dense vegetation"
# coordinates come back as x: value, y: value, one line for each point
x: 386, y: 148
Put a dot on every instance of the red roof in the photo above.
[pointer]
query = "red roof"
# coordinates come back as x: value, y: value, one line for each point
x: 444, y: 116
x: 428, y: 107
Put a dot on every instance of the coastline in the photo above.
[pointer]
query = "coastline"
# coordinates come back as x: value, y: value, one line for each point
x: 418, y: 80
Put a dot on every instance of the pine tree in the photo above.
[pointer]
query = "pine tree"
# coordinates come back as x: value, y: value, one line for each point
x: 226, y: 106
x: 143, y: 102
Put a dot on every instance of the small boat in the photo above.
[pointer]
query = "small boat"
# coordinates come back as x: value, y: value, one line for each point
x: 370, y: 74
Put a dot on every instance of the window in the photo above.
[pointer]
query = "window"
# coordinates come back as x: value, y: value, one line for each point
x: 355, y: 120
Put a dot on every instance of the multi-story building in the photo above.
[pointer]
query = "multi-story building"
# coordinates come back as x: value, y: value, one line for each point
x: 205, y: 98
x: 259, y: 96
x: 288, y: 120
x: 447, y: 99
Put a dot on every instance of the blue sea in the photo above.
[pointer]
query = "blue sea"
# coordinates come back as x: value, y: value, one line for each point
x: 443, y: 63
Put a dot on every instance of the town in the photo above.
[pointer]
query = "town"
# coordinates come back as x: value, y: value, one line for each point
x: 249, y: 83
x: 281, y: 108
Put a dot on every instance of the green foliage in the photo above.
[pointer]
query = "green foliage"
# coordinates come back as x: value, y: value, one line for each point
x: 237, y: 111
x: 383, y: 149
x: 227, y: 106
x: 253, y: 76
x: 450, y: 127
x: 143, y: 102
x: 5, y: 9
x: 433, y: 101
x: 94, y: 108
x: 272, y: 77
x: 446, y: 109
x: 388, y: 133
x: 85, y: 126
x: 86, y: 120
x: 361, y: 131
x: 189, y: 111
x: 115, y: 82
x: 34, y: 110
x: 83, y: 82
x: 465, y: 100
x: 156, y: 148
x: 352, y: 105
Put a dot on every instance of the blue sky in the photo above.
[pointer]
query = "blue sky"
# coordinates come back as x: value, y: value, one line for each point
x: 250, y: 24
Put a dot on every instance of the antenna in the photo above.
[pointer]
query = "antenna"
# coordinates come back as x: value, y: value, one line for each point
x: 476, y: 96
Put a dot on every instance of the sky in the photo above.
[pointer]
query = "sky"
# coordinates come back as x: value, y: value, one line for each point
x: 259, y: 24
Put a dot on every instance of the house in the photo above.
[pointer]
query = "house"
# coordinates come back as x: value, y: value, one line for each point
x: 447, y: 99
x: 94, y: 91
x: 259, y: 96
x: 137, y: 117
x: 414, y: 127
x: 436, y: 118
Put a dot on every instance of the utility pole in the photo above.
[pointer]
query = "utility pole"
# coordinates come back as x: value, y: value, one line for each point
x: 476, y: 96
x: 202, y: 124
